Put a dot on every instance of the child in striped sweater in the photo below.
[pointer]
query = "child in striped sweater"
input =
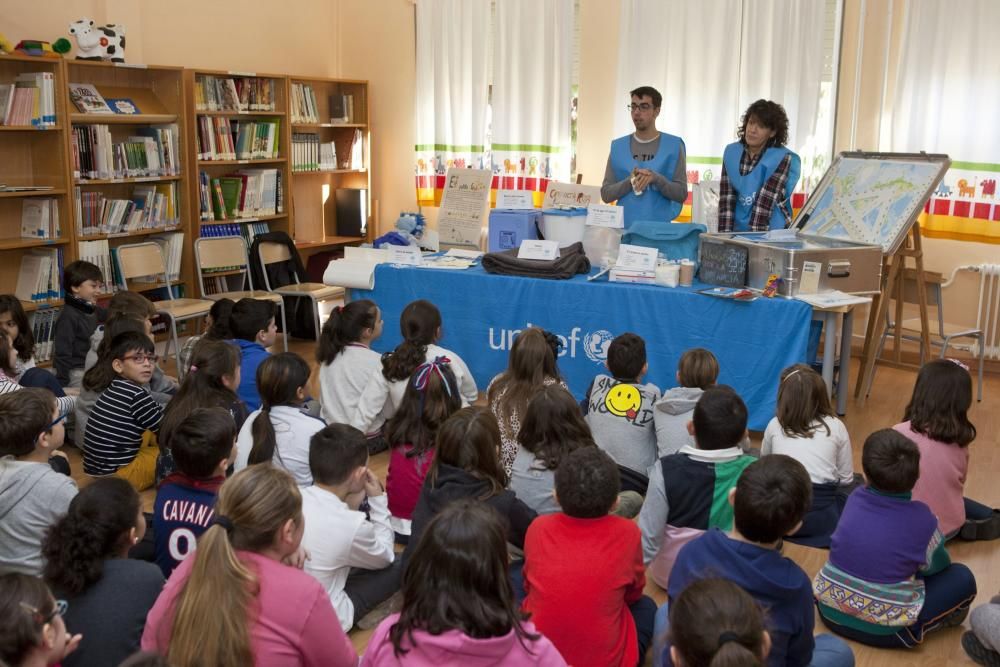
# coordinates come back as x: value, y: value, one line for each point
x: 116, y: 441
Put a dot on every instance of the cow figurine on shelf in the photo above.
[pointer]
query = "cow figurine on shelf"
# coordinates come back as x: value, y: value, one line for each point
x: 105, y: 42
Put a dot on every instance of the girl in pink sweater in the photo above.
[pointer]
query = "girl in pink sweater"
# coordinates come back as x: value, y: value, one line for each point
x: 458, y: 607
x: 936, y: 419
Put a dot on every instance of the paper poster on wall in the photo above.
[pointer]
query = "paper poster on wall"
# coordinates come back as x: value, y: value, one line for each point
x: 463, y: 206
x: 571, y: 194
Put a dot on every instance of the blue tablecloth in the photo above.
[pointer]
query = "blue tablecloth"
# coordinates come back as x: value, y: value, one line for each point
x: 483, y: 312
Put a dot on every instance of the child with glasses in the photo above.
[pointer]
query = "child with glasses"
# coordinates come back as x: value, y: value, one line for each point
x: 124, y: 413
x: 33, y: 629
x: 32, y: 495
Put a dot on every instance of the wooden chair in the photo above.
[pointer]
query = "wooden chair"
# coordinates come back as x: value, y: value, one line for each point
x: 272, y: 253
x: 230, y: 252
x: 146, y: 259
x: 942, y: 333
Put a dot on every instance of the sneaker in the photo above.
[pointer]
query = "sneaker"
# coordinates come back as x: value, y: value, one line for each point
x: 981, y: 529
x: 978, y: 652
x: 629, y: 504
x: 955, y: 618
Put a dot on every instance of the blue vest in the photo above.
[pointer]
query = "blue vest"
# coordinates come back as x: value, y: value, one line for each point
x: 651, y: 204
x: 748, y: 186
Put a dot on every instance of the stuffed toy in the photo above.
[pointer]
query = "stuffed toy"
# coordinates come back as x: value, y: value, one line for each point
x: 103, y: 42
x: 409, y: 230
x: 39, y: 49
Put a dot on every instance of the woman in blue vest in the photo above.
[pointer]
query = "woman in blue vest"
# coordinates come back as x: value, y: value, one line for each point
x: 646, y: 169
x: 758, y: 173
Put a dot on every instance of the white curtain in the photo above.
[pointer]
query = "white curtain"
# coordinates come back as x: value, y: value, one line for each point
x: 711, y: 59
x: 781, y: 59
x: 689, y: 51
x: 947, y: 92
x: 532, y: 90
x: 451, y: 88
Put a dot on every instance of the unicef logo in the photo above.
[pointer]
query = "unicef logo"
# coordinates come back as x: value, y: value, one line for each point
x: 595, y: 344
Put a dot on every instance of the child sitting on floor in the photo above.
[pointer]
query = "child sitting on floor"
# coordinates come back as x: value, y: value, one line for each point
x: 76, y: 321
x: 889, y: 579
x: 806, y: 429
x: 33, y: 496
x: 14, y: 321
x: 686, y: 488
x: 216, y: 328
x: 458, y: 608
x: 937, y: 420
x: 697, y: 370
x: 115, y: 442
x: 619, y: 410
x: 715, y: 622
x: 769, y: 501
x: 253, y: 328
x: 202, y: 446
x: 350, y: 548
x: 583, y: 571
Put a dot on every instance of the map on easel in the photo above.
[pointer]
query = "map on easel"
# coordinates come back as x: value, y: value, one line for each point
x: 872, y: 197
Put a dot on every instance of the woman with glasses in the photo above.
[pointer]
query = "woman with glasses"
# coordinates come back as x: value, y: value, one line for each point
x: 116, y: 441
x: 32, y: 631
x: 87, y: 564
x: 758, y: 173
x: 646, y: 170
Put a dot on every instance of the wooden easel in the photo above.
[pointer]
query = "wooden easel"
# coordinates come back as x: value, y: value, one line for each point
x: 894, y: 275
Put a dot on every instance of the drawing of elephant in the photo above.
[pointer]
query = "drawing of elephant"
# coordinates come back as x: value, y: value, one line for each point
x: 943, y: 190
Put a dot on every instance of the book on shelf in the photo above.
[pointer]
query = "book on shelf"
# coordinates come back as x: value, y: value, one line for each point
x: 43, y: 322
x: 357, y: 160
x: 233, y: 93
x: 151, y: 206
x: 86, y: 98
x: 221, y: 138
x: 26, y: 188
x: 40, y: 219
x: 341, y: 109
x: 311, y: 154
x: 247, y: 193
x: 172, y: 247
x: 29, y: 100
x: 40, y: 275
x: 303, y: 102
x: 123, y: 105
x: 151, y: 152
x: 98, y: 252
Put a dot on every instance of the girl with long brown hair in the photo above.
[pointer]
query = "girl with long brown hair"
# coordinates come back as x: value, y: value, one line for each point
x: 235, y: 601
x: 530, y: 368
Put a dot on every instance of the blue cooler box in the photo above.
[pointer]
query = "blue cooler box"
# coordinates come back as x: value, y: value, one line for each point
x: 510, y: 226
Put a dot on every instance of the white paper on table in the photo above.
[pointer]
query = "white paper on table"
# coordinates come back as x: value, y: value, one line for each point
x: 405, y: 254
x: 833, y: 299
x: 606, y: 215
x: 464, y: 254
x: 356, y: 270
x: 809, y: 279
x: 636, y: 258
x: 538, y: 249
x: 515, y: 199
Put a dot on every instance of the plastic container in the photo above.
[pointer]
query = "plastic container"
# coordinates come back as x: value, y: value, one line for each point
x: 508, y: 227
x: 601, y: 244
x: 565, y: 226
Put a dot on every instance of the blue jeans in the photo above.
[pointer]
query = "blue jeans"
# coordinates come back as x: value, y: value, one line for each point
x: 829, y: 651
x: 949, y: 591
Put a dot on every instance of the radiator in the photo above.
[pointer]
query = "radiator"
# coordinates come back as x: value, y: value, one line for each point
x: 988, y: 316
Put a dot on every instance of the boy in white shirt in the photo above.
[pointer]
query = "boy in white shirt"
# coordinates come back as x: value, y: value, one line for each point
x: 351, y: 554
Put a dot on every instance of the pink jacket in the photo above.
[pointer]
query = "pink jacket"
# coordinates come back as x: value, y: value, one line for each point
x: 455, y: 648
x: 941, y: 486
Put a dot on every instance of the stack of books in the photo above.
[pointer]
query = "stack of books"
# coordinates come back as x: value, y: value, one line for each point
x: 43, y: 322
x: 247, y: 193
x: 40, y: 276
x: 40, y: 219
x: 99, y: 253
x: 29, y: 101
x: 151, y: 152
x: 310, y: 154
x: 150, y: 207
x: 221, y: 138
x: 304, y: 107
x: 236, y: 93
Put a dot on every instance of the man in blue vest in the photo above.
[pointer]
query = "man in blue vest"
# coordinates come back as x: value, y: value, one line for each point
x: 646, y: 169
x: 758, y: 173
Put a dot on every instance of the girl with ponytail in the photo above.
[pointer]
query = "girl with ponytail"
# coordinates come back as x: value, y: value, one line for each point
x: 420, y: 326
x: 279, y: 431
x: 237, y: 600
x: 715, y: 623
x: 87, y: 565
x: 347, y: 363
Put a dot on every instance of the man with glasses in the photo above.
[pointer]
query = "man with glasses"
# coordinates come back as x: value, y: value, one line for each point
x: 646, y: 170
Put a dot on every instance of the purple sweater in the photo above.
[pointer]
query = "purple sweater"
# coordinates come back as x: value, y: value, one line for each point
x: 882, y: 538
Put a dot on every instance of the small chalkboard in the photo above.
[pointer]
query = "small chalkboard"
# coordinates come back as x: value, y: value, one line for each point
x: 722, y: 263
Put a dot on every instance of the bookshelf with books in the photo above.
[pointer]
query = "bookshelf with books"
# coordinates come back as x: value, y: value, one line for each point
x: 34, y: 189
x: 128, y: 160
x: 330, y: 151
x: 239, y: 143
